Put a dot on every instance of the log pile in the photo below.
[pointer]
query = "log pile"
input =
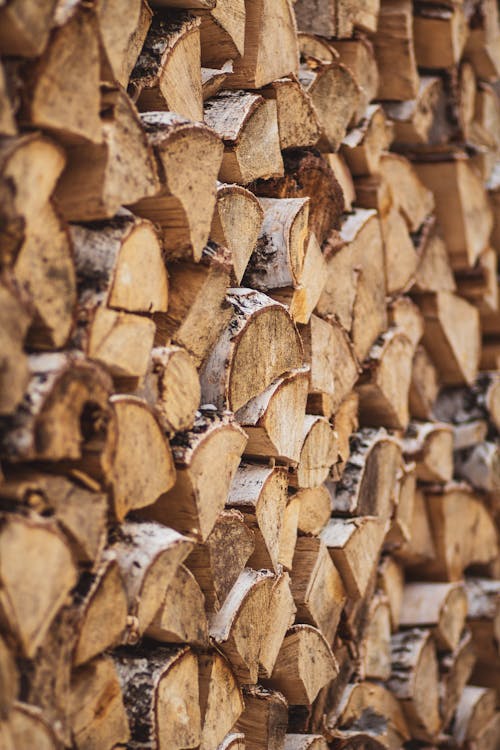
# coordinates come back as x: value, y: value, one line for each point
x: 265, y: 231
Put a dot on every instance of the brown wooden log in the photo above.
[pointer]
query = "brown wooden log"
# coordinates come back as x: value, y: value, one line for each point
x: 420, y: 547
x: 213, y: 79
x: 479, y: 466
x: 456, y: 668
x: 400, y: 531
x: 9, y: 679
x: 391, y: 581
x: 14, y: 371
x: 221, y: 700
x: 7, y: 121
x: 375, y: 646
x: 305, y: 742
x: 430, y: 446
x: 25, y: 29
x: 434, y: 273
x: 181, y: 616
x: 358, y: 55
x: 318, y: 339
x: 264, y: 720
x: 318, y: 453
x: 222, y: 29
x: 123, y: 28
x: 483, y: 620
x: 28, y: 726
x: 289, y: 532
x: 298, y: 121
x: 206, y: 459
x: 314, y: 510
x: 481, y: 48
x: 479, y: 284
x: 439, y: 36
x: 363, y: 145
x: 336, y: 18
x: 282, y: 611
x: 414, y: 200
x: 424, y: 385
x: 420, y: 123
x: 475, y: 709
x: 439, y: 606
x: 482, y: 401
x: 394, y: 51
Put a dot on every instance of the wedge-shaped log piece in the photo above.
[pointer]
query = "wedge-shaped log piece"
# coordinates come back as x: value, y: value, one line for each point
x: 278, y: 257
x: 7, y: 120
x: 439, y: 36
x: 172, y: 388
x: 451, y: 336
x: 424, y: 385
x: 64, y: 410
x: 260, y: 493
x: 336, y: 17
x: 480, y: 466
x: 346, y: 423
x: 167, y: 75
x: 346, y: 369
x: 439, y: 606
x: 400, y: 254
x: 475, y: 709
x: 237, y: 224
x: 148, y: 555
x: 101, y: 598
x: 241, y: 625
x: 222, y: 29
x: 14, y: 370
x: 430, y: 446
x: 305, y: 664
x: 456, y: 668
x: 232, y: 373
x: 479, y: 285
x: 358, y: 55
x: 368, y: 481
x: 375, y: 646
x: 298, y: 121
x: 354, y: 546
x: 206, y: 458
x: 362, y: 147
x: 462, y: 207
x: 270, y: 49
x: 317, y: 455
x: 99, y: 178
x: 189, y: 156
x: 405, y: 314
x: 213, y: 79
x: 25, y: 28
x: 414, y: 681
x: 29, y: 726
x: 483, y: 618
x: 161, y: 695
x: 419, y: 548
x: 422, y: 122
x: 221, y: 701
x: 400, y: 531
x: 24, y: 581
x: 9, y: 679
x: 264, y: 719
x: 123, y: 27
x: 462, y: 404
x: 412, y: 197
x: 248, y: 126
x: 136, y: 478
x: 289, y: 532
x: 314, y: 511
x: 391, y: 581
x: 233, y: 741
x: 434, y: 273
x: 217, y: 562
x: 96, y: 711
x: 482, y: 43
x: 384, y: 384
x: 319, y: 341
x: 394, y: 50
x: 282, y: 611
x: 181, y: 616
x: 317, y: 587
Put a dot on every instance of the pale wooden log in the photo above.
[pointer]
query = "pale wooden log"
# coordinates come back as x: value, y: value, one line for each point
x: 237, y: 224
x: 148, y: 555
x: 394, y: 51
x: 434, y: 273
x: 439, y: 37
x: 305, y: 742
x: 451, y: 336
x: 264, y: 720
x: 318, y: 339
x: 162, y: 699
x: 346, y: 371
x: 289, y: 531
x: 317, y: 587
x: 400, y: 254
x: 337, y: 18
x: 260, y: 493
x: 368, y: 481
x: 456, y: 668
x: 181, y: 615
x: 468, y: 434
x: 363, y: 145
x: 461, y: 207
x: 167, y: 75
x: 64, y: 410
x: 384, y: 384
x: 420, y: 547
x: 479, y: 285
x: 222, y: 30
x: 421, y: 121
x: 400, y: 531
x: 466, y: 97
x: 480, y: 466
x: 282, y: 612
x: 424, y: 385
x: 405, y: 314
x: 248, y: 126
x: 25, y: 28
x: 232, y: 373
x: 462, y: 405
x: 483, y: 619
x: 240, y: 626
x: 298, y: 121
x: 345, y: 422
x: 375, y: 646
x: 221, y: 700
x: 96, y: 182
x: 358, y: 55
x: 481, y: 48
x: 414, y: 681
x: 439, y: 606
x: 391, y: 581
x: 475, y: 709
x: 7, y: 120
x: 354, y: 546
x: 29, y: 728
x: 218, y: 561
x: 314, y: 510
x: 14, y: 371
x: 430, y: 446
x: 414, y: 200
x: 206, y: 458
x: 123, y: 27
x: 317, y: 453
x: 316, y: 46
x: 344, y: 178
x: 9, y: 679
x: 213, y: 79
x: 373, y: 192
x: 182, y: 203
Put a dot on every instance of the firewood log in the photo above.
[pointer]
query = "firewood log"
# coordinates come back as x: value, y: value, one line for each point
x: 248, y: 126
x: 221, y: 700
x: 358, y: 55
x: 99, y: 178
x: 167, y: 75
x: 481, y: 48
x: 354, y: 546
x: 123, y: 28
x: 482, y: 401
x: 363, y: 145
x: 317, y: 587
x: 298, y: 121
x: 439, y: 37
x: 213, y: 79
x: 317, y: 454
x: 456, y: 668
x: 424, y: 385
x: 336, y: 18
x: 345, y: 423
x: 314, y: 510
x: 391, y: 581
x: 400, y: 254
x: 189, y: 156
x: 344, y: 178
x: 148, y: 556
x: 237, y: 224
x: 260, y: 493
x: 7, y: 120
x: 318, y: 339
x: 222, y: 29
x: 25, y: 29
x: 414, y: 200
x: 14, y: 370
x: 475, y: 709
x: 232, y: 374
x: 29, y: 728
x: 162, y: 698
x: 430, y: 446
x: 217, y: 562
x: 394, y: 51
x: 282, y: 612
x: 197, y: 309
x: 479, y: 466
x: 414, y: 681
x: 181, y: 615
x: 264, y: 720
x: 9, y: 679
x: 400, y: 530
x: 96, y: 707
x: 240, y: 626
x: 405, y: 314
x: 421, y: 122
x: 289, y: 532
x: 479, y: 285
x: 468, y: 435
x: 206, y: 459
x: 420, y: 547
x: 439, y: 606
x: 483, y: 620
x: 434, y: 273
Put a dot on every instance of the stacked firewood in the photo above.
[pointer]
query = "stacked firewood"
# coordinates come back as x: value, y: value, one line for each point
x: 249, y: 399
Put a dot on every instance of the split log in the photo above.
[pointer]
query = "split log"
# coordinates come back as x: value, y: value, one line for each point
x: 197, y: 308
x: 317, y: 453
x: 222, y: 29
x: 213, y: 79
x: 439, y: 36
x: 400, y: 531
x: 248, y: 126
x: 123, y: 28
x: 420, y: 547
x: 424, y: 385
x: 362, y: 147
x: 414, y: 200
x: 232, y: 373
x: 404, y: 314
x: 439, y: 606
x: 346, y: 371
x: 99, y: 178
x: 9, y: 679
x: 25, y: 29
x: 181, y: 615
x: 167, y: 75
x: 479, y: 284
x: 358, y: 55
x: 375, y: 645
x: 318, y: 339
x: 298, y: 121
x: 221, y: 701
x: 468, y: 434
x: 434, y: 273
x: 462, y: 405
x: 161, y: 695
x: 96, y: 711
x: 481, y: 48
x: 430, y: 446
x: 29, y: 727
x: 421, y: 122
x: 241, y: 625
x: 317, y: 587
x: 483, y: 620
x: 305, y: 664
x: 237, y: 224
x: 345, y: 423
x: 217, y: 562
x: 391, y: 581
x: 456, y: 668
x: 414, y: 681
x: 206, y: 459
x: 480, y: 466
x: 14, y: 370
x: 354, y: 546
x: 264, y: 720
x: 289, y: 531
x: 182, y: 203
x: 394, y: 51
x: 475, y: 709
x: 314, y: 510
x: 282, y: 612
x: 7, y: 120
x: 400, y: 254
x: 260, y: 493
